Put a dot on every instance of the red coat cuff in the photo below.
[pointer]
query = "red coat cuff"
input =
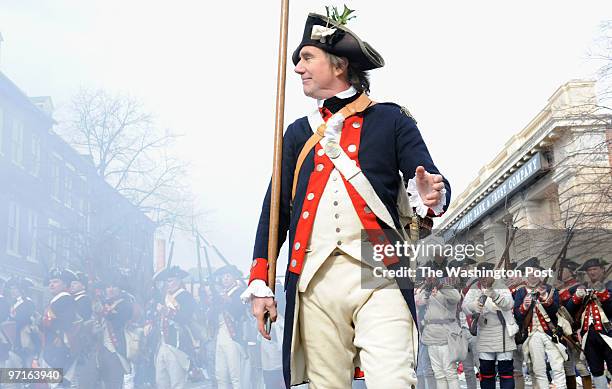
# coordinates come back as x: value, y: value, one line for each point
x: 259, y: 270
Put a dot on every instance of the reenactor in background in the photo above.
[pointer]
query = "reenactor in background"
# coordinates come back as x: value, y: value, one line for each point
x: 424, y: 372
x: 540, y: 302
x: 176, y: 344
x: 514, y: 284
x: 230, y: 313
x: 27, y: 341
x: 58, y: 324
x: 116, y: 312
x: 78, y: 289
x: 440, y: 319
x: 471, y: 360
x: 568, y: 283
x: 592, y: 307
x: 86, y: 369
x: 210, y: 321
x: 492, y: 301
x: 5, y: 344
x: 271, y: 350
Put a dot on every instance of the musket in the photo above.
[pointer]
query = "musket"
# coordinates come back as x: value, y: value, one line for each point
x: 607, y: 273
x: 211, y: 282
x: 170, y: 255
x: 275, y: 187
x: 562, y: 254
x: 219, y: 254
x: 504, y: 260
x: 199, y: 261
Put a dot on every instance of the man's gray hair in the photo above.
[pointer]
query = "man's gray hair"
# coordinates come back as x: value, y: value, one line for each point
x: 359, y: 79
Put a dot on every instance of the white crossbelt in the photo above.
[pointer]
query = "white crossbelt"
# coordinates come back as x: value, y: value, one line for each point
x: 353, y: 174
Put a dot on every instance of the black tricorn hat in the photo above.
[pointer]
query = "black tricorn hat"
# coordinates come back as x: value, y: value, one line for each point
x: 334, y: 38
x: 533, y: 262
x: 171, y: 272
x: 593, y: 262
x: 455, y: 263
x: 467, y: 261
x: 569, y: 264
x: 20, y: 283
x: 82, y: 277
x: 486, y: 266
x: 65, y: 275
x: 231, y: 269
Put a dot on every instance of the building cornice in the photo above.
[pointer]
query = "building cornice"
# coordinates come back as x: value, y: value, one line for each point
x: 569, y: 100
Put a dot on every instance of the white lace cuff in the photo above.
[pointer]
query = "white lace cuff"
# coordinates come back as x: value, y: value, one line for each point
x: 257, y: 288
x: 417, y: 202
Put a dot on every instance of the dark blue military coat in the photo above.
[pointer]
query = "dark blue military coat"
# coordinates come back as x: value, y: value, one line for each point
x: 390, y: 142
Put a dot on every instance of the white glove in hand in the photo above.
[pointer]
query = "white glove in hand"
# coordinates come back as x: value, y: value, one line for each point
x: 580, y: 292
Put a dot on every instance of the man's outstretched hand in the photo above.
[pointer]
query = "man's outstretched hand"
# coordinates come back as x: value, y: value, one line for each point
x: 429, y: 186
x: 261, y: 305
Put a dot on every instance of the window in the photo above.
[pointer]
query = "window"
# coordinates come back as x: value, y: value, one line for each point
x: 52, y: 242
x: 33, y: 235
x: 66, y: 249
x: 68, y: 190
x: 55, y: 179
x: 1, y: 131
x: 81, y: 201
x: 17, y: 143
x: 12, y: 245
x: 35, y: 169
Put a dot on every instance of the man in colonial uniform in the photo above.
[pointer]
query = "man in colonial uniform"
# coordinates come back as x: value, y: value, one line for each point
x: 78, y: 289
x: 440, y: 319
x: 58, y: 324
x: 514, y: 284
x: 340, y: 174
x: 568, y: 284
x: 229, y: 312
x: 543, y: 341
x: 27, y: 341
x: 464, y: 285
x: 176, y: 346
x: 5, y: 341
x: 84, y: 334
x: 116, y: 311
x: 496, y: 329
x: 592, y: 306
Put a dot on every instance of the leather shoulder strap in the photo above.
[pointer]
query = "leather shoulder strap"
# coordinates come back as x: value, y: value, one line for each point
x: 357, y: 106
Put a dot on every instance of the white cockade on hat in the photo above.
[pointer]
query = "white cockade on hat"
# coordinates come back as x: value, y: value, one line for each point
x: 320, y: 32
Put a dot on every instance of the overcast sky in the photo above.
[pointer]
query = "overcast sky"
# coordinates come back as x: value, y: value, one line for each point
x: 472, y: 73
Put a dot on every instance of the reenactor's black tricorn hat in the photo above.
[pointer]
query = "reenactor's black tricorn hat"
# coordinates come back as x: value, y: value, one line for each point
x: 231, y: 269
x: 65, y: 275
x: 533, y: 262
x: 486, y: 265
x: 467, y: 261
x: 569, y: 264
x: 82, y: 277
x: 593, y: 262
x: 334, y: 38
x: 19, y: 283
x: 171, y: 272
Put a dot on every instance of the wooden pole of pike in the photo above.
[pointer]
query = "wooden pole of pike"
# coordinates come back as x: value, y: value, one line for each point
x: 278, y: 151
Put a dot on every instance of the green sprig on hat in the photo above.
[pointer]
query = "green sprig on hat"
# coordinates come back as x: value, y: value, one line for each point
x: 340, y: 19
